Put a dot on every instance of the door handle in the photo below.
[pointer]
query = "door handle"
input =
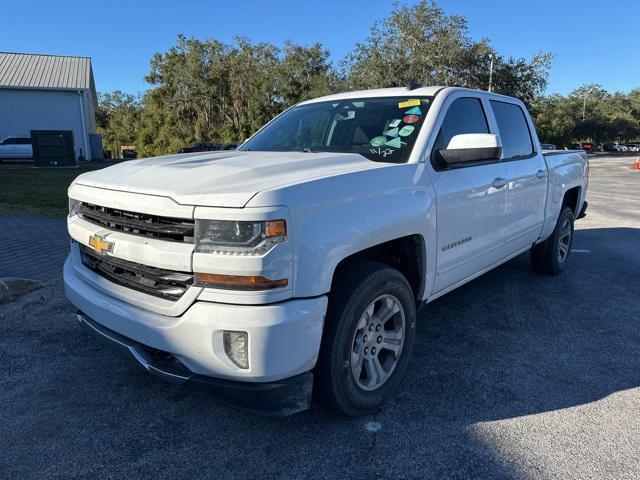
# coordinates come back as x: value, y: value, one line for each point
x: 541, y: 173
x: 499, y: 182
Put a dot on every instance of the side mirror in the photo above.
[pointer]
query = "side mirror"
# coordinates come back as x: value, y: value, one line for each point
x: 471, y: 147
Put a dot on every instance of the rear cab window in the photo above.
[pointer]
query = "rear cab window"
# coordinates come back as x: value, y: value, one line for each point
x: 514, y: 130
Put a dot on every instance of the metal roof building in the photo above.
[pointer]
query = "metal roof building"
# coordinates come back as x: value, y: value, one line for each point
x: 49, y: 92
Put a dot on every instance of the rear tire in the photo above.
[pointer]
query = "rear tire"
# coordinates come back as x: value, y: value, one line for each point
x: 550, y: 257
x: 368, y: 338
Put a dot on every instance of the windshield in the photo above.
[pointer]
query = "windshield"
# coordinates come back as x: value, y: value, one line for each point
x: 381, y: 129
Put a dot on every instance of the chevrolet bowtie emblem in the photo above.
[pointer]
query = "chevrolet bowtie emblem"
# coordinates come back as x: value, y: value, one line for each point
x: 100, y: 245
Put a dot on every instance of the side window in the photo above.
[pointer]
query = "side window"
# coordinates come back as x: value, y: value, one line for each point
x: 10, y: 141
x: 514, y: 131
x: 465, y: 115
x: 24, y: 141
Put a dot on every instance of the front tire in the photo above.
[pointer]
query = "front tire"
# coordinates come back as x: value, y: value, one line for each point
x: 368, y: 339
x: 551, y: 256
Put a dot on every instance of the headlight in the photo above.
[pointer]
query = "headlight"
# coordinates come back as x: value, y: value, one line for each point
x: 74, y: 206
x: 239, y: 237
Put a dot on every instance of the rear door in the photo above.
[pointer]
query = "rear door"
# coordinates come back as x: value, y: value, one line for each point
x: 527, y: 174
x: 471, y: 198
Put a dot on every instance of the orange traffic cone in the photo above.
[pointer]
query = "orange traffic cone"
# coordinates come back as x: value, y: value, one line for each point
x: 636, y: 164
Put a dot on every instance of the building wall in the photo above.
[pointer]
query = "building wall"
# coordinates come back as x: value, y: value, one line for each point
x: 24, y: 110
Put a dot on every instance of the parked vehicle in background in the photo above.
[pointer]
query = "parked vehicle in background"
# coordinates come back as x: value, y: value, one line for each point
x: 200, y: 147
x: 298, y: 262
x: 587, y: 147
x: 610, y: 147
x: 16, y: 147
x: 548, y: 146
x: 129, y: 154
x: 632, y: 147
x: 207, y: 147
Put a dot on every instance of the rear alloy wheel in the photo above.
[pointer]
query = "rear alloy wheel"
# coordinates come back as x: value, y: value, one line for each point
x: 564, y: 242
x: 551, y: 256
x: 368, y: 338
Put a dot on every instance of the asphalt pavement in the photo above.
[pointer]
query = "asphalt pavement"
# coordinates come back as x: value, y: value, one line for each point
x: 514, y: 375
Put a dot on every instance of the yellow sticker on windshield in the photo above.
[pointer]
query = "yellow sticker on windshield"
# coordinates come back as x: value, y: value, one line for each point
x: 409, y: 103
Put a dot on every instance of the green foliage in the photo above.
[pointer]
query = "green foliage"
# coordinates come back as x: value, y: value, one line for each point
x: 118, y: 119
x: 210, y: 91
x: 207, y: 91
x: 421, y: 42
x: 589, y: 113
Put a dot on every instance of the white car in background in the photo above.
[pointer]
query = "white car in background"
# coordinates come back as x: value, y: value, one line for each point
x: 16, y: 147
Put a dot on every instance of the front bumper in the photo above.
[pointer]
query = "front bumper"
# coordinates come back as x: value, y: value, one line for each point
x: 284, y: 337
x: 280, y: 398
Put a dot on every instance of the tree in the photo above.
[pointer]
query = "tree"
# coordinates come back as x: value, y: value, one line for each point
x: 305, y: 72
x: 208, y: 91
x: 555, y: 119
x: 422, y: 42
x: 118, y: 119
x: 589, y: 113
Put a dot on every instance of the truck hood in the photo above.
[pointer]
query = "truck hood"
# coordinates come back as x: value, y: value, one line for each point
x: 221, y: 179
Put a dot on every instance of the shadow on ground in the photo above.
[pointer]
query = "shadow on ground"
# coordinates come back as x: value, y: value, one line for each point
x: 511, y: 343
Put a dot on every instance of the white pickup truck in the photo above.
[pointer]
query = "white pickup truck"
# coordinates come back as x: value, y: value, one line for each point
x: 294, y: 265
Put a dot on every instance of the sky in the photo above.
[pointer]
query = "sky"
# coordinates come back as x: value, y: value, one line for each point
x: 593, y: 41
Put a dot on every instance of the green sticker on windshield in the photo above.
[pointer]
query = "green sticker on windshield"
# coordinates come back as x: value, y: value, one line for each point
x: 414, y: 111
x: 377, y: 141
x: 394, y: 143
x: 393, y: 132
x: 406, y: 130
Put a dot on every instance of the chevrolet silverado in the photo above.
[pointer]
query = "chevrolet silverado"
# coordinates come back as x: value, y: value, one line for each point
x: 292, y: 268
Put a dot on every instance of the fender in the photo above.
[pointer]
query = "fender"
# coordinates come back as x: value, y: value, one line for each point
x: 336, y: 217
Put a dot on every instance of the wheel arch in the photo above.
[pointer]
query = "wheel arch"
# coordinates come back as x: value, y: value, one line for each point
x: 571, y: 199
x: 407, y: 254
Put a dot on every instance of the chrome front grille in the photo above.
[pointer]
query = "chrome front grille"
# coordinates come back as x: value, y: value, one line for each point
x: 164, y: 228
x: 158, y: 282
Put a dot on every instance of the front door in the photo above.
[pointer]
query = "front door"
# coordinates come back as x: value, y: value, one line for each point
x: 471, y: 201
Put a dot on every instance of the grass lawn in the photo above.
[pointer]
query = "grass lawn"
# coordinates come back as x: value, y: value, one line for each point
x: 38, y: 191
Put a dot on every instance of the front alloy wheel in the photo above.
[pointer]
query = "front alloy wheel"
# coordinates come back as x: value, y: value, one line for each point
x: 377, y: 342
x: 367, y: 340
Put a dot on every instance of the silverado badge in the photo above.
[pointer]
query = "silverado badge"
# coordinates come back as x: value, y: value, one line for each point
x: 99, y: 244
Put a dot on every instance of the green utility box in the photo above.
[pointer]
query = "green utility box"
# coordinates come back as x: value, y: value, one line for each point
x: 53, y: 148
